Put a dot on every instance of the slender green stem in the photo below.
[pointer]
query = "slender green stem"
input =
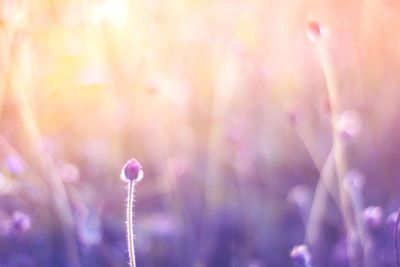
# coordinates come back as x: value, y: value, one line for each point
x: 129, y: 214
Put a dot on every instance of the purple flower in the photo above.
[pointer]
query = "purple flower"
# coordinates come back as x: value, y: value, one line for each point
x: 391, y: 219
x: 20, y: 222
x: 350, y: 124
x: 301, y: 255
x: 132, y: 171
x: 14, y: 164
x: 373, y: 217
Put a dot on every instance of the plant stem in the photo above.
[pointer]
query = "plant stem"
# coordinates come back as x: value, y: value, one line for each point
x: 129, y: 214
x: 339, y: 149
x: 396, y: 233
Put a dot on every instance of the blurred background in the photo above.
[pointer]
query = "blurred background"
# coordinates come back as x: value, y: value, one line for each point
x: 225, y: 104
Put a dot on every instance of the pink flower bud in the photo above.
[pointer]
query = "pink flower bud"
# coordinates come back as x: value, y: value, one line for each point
x: 132, y: 171
x: 315, y: 31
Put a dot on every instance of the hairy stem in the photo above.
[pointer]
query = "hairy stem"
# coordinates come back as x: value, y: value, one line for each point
x: 129, y: 214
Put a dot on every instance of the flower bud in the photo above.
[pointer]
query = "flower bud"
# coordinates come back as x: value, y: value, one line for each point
x: 132, y: 171
x: 301, y: 255
x: 315, y: 31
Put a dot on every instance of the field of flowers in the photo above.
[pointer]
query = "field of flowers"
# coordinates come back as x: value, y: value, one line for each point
x: 268, y: 133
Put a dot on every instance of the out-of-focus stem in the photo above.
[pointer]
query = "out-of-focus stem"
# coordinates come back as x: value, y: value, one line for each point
x: 324, y: 187
x: 20, y: 80
x: 224, y: 90
x: 324, y: 167
x: 129, y: 214
x: 340, y: 154
x: 396, y: 233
